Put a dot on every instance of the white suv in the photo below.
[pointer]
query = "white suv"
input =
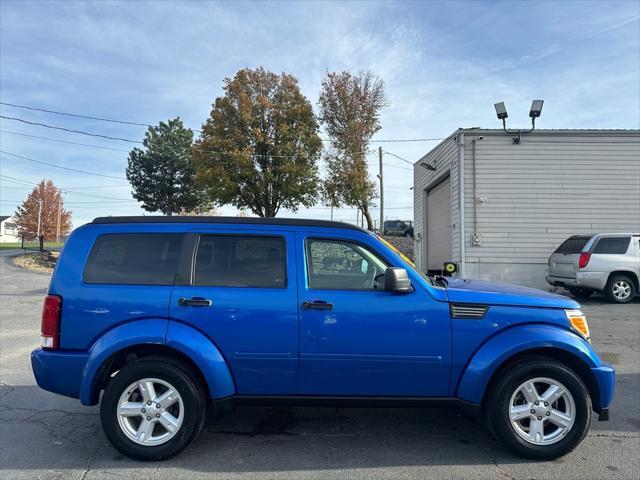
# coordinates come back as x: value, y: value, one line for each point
x: 606, y: 262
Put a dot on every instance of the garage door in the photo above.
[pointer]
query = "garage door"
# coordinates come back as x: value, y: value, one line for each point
x: 439, y: 225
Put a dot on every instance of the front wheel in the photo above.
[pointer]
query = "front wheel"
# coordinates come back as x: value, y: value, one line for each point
x: 540, y: 409
x: 152, y: 409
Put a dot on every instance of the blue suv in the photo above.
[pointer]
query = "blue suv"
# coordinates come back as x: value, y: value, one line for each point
x: 167, y: 315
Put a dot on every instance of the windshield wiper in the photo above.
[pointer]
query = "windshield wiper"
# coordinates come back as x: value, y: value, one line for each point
x: 439, y: 279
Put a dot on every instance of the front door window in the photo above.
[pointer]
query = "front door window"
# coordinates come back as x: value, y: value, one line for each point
x: 342, y: 265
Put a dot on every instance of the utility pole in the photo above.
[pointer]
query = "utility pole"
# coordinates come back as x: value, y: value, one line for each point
x: 39, y: 215
x: 381, y: 227
x: 332, y: 211
x: 59, y: 216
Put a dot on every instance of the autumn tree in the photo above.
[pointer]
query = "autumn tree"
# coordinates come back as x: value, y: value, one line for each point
x: 259, y: 148
x: 350, y: 112
x: 162, y: 173
x: 52, y: 208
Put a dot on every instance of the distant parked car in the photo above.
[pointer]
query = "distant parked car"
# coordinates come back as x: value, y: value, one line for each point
x: 607, y: 262
x: 398, y: 228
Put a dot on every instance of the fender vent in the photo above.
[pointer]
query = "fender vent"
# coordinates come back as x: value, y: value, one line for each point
x: 468, y: 310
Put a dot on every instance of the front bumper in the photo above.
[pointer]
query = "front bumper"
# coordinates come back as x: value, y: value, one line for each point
x: 59, y: 371
x: 605, y: 376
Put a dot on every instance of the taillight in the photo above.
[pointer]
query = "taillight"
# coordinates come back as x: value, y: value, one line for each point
x: 584, y: 259
x: 50, y: 327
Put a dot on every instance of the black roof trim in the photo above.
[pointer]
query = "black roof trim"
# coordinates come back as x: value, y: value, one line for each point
x: 301, y: 222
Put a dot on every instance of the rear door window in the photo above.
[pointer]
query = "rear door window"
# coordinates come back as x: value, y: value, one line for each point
x: 240, y: 261
x: 134, y: 259
x: 572, y: 245
x: 612, y: 245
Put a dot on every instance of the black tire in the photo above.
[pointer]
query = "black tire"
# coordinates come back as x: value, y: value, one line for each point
x: 498, y: 406
x: 616, y: 281
x: 580, y: 293
x: 179, y: 376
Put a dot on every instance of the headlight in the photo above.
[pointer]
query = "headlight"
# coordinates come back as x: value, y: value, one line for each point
x: 578, y: 323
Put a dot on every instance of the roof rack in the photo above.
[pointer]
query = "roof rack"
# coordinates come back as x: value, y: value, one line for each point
x: 302, y: 222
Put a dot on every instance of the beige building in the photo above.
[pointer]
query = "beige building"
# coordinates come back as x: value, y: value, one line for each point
x: 498, y: 208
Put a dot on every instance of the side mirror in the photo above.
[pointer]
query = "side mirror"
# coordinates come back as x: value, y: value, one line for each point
x: 396, y: 280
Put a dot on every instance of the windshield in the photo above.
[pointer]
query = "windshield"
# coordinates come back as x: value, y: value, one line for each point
x: 406, y: 259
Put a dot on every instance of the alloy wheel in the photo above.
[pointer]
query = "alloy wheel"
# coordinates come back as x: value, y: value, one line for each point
x: 150, y: 411
x: 542, y: 411
x: 621, y: 290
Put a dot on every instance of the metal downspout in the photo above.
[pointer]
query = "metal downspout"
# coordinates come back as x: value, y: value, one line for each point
x: 461, y: 202
x: 475, y: 196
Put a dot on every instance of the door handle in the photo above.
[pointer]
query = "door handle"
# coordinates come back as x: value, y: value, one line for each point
x: 194, y: 302
x: 317, y: 305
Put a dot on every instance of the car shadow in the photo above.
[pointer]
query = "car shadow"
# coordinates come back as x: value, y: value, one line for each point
x: 599, y: 299
x: 66, y: 435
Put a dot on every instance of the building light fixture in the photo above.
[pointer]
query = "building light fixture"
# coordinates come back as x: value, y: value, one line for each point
x: 534, y: 112
x: 427, y: 166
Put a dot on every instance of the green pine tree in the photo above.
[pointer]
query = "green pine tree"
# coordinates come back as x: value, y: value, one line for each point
x: 162, y: 173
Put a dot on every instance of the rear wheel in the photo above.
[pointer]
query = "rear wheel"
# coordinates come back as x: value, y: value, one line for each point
x: 620, y: 289
x: 539, y: 409
x: 152, y: 409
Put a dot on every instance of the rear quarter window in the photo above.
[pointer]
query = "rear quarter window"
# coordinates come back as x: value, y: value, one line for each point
x: 134, y: 259
x: 612, y: 245
x: 572, y: 245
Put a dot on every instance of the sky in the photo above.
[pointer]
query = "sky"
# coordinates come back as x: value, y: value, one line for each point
x: 444, y: 65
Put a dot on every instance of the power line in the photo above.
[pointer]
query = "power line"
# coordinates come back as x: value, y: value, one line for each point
x: 18, y: 181
x: 371, y: 163
x: 399, y: 157
x: 97, y: 186
x: 70, y: 130
x: 29, y: 183
x: 96, y: 196
x: 124, y: 122
x: 350, y: 208
x: 397, y: 166
x: 127, y: 122
x: 399, y: 140
x: 71, y: 203
x: 217, y: 152
x: 58, y: 166
x: 66, y: 191
x: 64, y: 141
x: 106, y: 201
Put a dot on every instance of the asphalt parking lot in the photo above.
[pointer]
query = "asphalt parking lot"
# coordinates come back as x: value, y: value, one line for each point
x: 43, y: 435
